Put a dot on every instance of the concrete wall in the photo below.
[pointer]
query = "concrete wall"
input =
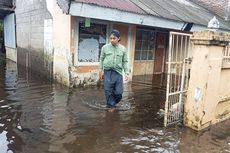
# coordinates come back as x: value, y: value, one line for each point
x: 31, y: 17
x: 143, y: 67
x: 11, y: 53
x: 62, y: 45
x: 44, y: 38
x: 208, y: 98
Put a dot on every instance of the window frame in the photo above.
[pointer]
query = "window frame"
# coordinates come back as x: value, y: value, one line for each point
x: 153, y: 51
x: 76, y: 62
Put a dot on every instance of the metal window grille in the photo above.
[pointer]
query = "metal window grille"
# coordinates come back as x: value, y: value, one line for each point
x: 226, y: 54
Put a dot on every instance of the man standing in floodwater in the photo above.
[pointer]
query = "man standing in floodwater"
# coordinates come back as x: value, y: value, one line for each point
x: 113, y: 61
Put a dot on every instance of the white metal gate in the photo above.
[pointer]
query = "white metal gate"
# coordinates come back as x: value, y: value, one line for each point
x: 177, y: 78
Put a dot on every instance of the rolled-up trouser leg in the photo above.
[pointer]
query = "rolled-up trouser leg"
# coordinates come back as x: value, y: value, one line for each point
x: 113, y: 86
x: 109, y: 87
x: 118, y: 88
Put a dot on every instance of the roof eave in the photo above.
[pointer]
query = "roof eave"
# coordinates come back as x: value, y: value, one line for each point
x: 115, y: 15
x: 98, y: 12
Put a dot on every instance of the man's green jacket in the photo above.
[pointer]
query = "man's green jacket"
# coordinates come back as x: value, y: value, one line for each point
x: 114, y: 57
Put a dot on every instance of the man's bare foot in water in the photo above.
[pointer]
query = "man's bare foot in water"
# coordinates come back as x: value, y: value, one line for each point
x: 112, y: 109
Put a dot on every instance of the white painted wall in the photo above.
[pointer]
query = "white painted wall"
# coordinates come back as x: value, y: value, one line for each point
x: 9, y: 31
x: 61, y: 44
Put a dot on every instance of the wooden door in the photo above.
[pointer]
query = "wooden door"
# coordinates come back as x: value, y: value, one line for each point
x: 159, y: 53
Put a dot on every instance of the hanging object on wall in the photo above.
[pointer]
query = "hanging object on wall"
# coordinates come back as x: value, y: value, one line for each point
x: 87, y: 22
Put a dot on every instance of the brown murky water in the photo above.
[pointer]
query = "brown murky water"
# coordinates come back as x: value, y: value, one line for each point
x: 40, y: 117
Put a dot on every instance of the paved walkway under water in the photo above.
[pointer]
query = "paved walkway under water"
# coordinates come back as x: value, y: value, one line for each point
x: 39, y: 117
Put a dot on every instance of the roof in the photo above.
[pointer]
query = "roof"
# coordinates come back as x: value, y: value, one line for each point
x: 220, y: 7
x: 180, y: 10
x: 6, y: 3
x: 183, y: 11
x: 64, y: 5
x: 170, y: 9
x: 3, y: 13
x: 6, y: 7
x: 123, y: 5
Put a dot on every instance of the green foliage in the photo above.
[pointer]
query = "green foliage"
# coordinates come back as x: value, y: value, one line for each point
x: 1, y: 25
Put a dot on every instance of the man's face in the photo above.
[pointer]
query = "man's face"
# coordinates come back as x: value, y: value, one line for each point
x: 114, y: 40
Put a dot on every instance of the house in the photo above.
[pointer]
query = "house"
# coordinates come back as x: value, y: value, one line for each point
x: 156, y: 17
x: 62, y: 39
x: 49, y: 37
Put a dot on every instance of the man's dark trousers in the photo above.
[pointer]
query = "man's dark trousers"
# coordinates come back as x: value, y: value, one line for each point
x: 113, y: 86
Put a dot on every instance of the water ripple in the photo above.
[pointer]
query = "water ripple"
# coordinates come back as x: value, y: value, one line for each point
x: 37, y: 116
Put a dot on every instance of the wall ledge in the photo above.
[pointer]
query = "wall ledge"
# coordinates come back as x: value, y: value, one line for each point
x: 211, y: 38
x: 226, y: 65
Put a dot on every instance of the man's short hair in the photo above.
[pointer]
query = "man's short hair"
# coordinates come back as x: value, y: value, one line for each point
x: 115, y: 32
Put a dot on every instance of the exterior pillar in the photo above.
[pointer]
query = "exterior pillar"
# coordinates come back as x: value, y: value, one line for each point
x: 204, y: 105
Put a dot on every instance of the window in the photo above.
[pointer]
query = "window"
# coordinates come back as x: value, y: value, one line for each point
x: 226, y: 54
x: 91, y: 40
x: 226, y: 57
x: 145, y: 40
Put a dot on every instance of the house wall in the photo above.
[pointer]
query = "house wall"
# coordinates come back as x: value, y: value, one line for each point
x: 31, y: 17
x: 124, y: 30
x: 61, y: 45
x: 11, y: 53
x: 44, y: 39
x: 132, y: 50
x: 208, y: 98
x: 143, y: 67
x: 80, y: 74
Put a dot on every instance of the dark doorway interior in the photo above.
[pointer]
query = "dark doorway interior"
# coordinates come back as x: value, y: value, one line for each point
x: 2, y: 46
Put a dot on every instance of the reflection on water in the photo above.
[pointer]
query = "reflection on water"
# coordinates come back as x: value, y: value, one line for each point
x: 37, y: 116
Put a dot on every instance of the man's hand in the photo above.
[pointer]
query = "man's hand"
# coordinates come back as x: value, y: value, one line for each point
x: 100, y: 76
x: 126, y: 77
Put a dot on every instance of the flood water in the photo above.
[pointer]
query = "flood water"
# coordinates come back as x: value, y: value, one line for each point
x: 39, y: 117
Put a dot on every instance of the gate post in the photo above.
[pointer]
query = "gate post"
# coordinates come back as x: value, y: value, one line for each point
x: 204, y: 105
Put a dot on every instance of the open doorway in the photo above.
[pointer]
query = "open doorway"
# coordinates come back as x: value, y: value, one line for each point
x: 162, y: 60
x: 149, y: 79
x: 160, y: 53
x: 150, y: 55
x: 2, y: 46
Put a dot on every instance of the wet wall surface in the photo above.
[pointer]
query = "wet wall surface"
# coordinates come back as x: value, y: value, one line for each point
x: 37, y: 116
